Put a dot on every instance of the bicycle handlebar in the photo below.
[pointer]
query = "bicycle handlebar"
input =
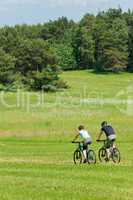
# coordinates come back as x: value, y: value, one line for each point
x: 77, y: 142
x: 101, y: 140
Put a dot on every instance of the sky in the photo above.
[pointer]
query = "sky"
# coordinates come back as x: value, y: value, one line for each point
x: 39, y: 11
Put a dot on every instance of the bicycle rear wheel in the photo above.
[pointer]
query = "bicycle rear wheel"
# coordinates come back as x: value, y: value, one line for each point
x: 91, y: 157
x: 77, y: 157
x: 116, y: 157
x: 102, y: 154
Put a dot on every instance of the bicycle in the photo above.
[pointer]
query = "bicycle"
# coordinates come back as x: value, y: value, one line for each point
x: 78, y: 154
x: 114, y: 153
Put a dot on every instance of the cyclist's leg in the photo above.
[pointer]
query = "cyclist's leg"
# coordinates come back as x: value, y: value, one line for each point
x: 112, y: 139
x: 107, y: 147
x: 107, y: 144
x: 85, y: 148
x: 110, y: 147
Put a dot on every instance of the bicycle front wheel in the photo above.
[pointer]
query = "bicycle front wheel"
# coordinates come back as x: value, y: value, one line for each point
x: 116, y: 157
x: 91, y: 157
x: 102, y: 154
x: 77, y: 157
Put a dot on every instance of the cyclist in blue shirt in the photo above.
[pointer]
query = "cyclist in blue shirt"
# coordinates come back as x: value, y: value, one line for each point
x: 110, y: 134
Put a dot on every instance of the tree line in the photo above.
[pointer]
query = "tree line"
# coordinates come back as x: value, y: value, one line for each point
x: 32, y: 56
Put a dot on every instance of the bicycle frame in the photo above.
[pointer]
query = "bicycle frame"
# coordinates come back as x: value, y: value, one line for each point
x: 109, y: 151
x: 90, y: 154
x: 104, y: 143
x: 80, y: 145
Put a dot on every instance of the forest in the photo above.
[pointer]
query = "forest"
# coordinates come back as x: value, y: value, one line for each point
x: 33, y: 56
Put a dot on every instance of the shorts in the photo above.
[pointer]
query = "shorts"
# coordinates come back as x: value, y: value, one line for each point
x: 112, y: 137
x: 86, y: 143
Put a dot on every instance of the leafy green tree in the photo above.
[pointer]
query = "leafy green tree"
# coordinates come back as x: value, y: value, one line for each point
x: 30, y: 54
x: 65, y: 56
x: 55, y: 30
x: 37, y: 64
x: 29, y: 31
x: 88, y: 21
x: 83, y: 42
x: 83, y: 45
x: 9, y: 39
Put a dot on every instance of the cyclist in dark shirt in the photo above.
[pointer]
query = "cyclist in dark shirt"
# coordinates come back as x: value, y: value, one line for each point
x: 110, y: 134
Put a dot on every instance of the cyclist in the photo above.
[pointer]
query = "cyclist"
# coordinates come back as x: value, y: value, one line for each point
x: 86, y: 140
x: 110, y: 135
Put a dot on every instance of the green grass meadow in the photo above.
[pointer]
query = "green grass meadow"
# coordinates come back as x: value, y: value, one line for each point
x: 36, y: 156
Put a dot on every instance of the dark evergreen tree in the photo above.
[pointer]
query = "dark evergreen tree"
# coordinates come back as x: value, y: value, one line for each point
x: 7, y: 68
x: 111, y: 43
x: 130, y: 47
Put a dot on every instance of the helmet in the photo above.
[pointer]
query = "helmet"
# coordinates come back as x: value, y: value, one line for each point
x: 104, y: 123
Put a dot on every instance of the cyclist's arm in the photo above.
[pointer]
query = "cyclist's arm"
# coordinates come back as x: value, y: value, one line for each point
x: 99, y: 136
x: 76, y: 137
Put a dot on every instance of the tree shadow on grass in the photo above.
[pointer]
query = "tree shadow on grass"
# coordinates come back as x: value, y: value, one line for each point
x: 106, y: 72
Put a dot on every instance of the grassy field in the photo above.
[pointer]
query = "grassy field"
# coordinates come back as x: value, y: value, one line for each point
x: 35, y: 149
